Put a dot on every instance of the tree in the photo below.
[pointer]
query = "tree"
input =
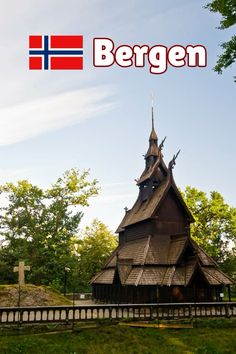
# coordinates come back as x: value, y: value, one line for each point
x: 96, y: 244
x: 227, y: 8
x: 39, y: 226
x: 215, y: 225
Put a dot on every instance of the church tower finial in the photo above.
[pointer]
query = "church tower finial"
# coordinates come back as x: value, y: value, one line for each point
x: 152, y: 152
x: 153, y: 135
x: 152, y: 102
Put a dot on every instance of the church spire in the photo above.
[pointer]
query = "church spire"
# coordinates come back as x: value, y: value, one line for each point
x: 152, y: 152
x: 153, y: 135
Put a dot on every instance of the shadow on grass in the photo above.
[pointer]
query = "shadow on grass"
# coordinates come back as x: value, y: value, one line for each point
x: 214, y: 337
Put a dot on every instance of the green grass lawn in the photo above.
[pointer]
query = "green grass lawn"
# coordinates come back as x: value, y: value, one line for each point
x: 210, y: 337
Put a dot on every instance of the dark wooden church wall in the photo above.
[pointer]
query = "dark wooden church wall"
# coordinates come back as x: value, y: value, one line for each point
x: 135, y: 232
x: 189, y: 293
x: 170, y: 228
x: 171, y: 209
x: 171, y: 217
x: 117, y: 293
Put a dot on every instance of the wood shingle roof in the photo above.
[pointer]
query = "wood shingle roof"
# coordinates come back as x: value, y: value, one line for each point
x: 216, y: 277
x: 150, y: 250
x: 143, y: 210
x: 160, y: 261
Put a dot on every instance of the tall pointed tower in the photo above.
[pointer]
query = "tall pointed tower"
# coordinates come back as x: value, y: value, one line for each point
x: 156, y: 260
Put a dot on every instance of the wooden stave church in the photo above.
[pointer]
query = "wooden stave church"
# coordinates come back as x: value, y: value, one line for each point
x: 156, y: 259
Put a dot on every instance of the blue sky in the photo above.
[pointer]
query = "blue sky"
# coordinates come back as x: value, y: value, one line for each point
x: 100, y: 118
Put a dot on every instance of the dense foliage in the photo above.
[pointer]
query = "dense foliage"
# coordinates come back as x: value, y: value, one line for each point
x: 227, y: 8
x: 39, y: 226
x: 96, y: 244
x: 215, y: 226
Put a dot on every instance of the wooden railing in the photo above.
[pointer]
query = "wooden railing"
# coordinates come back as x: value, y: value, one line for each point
x: 68, y: 314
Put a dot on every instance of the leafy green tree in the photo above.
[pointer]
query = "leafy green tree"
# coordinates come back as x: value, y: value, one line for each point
x: 229, y: 265
x: 39, y: 226
x: 215, y: 225
x: 227, y: 8
x: 96, y: 244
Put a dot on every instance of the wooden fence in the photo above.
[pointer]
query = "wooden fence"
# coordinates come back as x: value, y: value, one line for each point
x: 69, y: 314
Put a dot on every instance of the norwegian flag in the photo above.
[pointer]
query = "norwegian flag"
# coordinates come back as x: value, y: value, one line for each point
x: 56, y: 52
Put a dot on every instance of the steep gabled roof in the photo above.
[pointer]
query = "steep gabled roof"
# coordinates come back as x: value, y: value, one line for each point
x: 215, y: 276
x: 161, y: 275
x: 149, y: 171
x: 123, y: 271
x: 166, y: 249
x: 143, y: 210
x: 106, y: 276
x: 204, y: 258
x: 149, y: 250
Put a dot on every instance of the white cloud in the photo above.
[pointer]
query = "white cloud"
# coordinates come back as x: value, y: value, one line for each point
x: 113, y: 198
x: 116, y: 184
x: 11, y: 174
x: 26, y: 120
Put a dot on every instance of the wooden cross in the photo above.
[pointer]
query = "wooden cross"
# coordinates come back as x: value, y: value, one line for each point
x: 21, y: 269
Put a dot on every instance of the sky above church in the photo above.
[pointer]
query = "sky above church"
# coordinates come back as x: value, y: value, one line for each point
x: 100, y: 118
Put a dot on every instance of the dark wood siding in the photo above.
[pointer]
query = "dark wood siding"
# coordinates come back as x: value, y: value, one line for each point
x: 136, y: 231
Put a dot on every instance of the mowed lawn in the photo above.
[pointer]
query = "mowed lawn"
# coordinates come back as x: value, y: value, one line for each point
x: 205, y: 339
